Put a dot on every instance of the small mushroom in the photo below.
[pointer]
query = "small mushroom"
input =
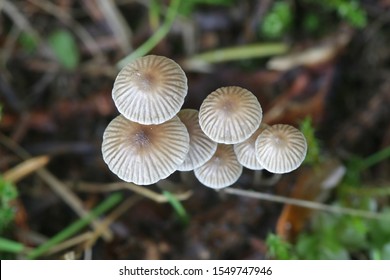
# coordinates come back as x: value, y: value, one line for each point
x: 281, y: 148
x: 144, y: 154
x: 202, y: 148
x: 222, y: 170
x: 150, y: 90
x: 230, y: 115
x: 246, y: 151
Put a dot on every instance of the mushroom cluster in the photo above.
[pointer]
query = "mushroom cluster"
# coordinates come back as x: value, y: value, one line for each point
x: 153, y: 137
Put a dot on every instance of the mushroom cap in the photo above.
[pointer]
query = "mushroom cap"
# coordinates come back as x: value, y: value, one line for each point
x: 150, y: 90
x: 144, y: 154
x: 246, y: 150
x: 281, y: 148
x: 230, y: 115
x: 202, y: 148
x: 222, y: 170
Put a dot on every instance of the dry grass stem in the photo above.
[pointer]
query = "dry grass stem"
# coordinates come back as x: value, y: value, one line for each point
x: 25, y: 168
x: 114, y: 215
x: 117, y: 23
x: 305, y: 203
x: 157, y: 197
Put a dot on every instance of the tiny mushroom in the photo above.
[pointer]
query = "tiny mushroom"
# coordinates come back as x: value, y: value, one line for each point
x: 222, y: 170
x: 144, y: 154
x: 202, y: 148
x: 230, y: 115
x: 246, y: 151
x: 150, y: 90
x: 281, y: 148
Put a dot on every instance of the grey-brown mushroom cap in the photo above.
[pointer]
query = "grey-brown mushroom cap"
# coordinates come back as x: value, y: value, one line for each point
x: 144, y: 154
x: 202, y: 147
x: 150, y: 90
x: 230, y: 115
x: 222, y: 170
x: 246, y: 150
x: 281, y: 148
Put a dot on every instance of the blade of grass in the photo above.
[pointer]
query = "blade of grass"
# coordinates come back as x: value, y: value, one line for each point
x: 11, y: 246
x: 73, y: 228
x: 238, y: 53
x: 375, y: 158
x: 149, y: 44
x: 23, y: 169
x: 306, y: 204
x: 178, y: 207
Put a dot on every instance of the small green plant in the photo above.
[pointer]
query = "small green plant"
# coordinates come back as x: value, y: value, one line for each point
x: 277, y: 21
x: 8, y: 194
x: 350, y: 11
x: 313, y: 145
x: 189, y: 5
x: 342, y: 236
x: 279, y: 248
x: 65, y: 48
x: 28, y: 42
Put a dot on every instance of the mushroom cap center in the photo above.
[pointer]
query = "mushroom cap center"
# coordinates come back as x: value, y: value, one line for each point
x: 280, y: 139
x: 229, y: 105
x: 142, y: 138
x: 146, y: 81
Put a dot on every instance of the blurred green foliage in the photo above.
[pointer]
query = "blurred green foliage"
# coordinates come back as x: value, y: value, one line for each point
x: 278, y: 20
x: 341, y: 236
x: 336, y: 237
x: 64, y: 46
x: 187, y: 6
x: 348, y: 10
x: 279, y: 248
x: 28, y: 42
x: 8, y: 194
x: 313, y: 146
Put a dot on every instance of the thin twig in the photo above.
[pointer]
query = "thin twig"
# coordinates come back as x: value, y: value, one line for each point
x: 25, y: 168
x: 117, y: 23
x: 18, y: 18
x: 305, y: 203
x: 83, y: 237
x: 157, y: 197
x: 114, y: 215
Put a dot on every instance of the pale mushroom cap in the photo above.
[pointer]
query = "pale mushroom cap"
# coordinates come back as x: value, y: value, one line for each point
x: 202, y: 148
x: 222, y: 170
x: 246, y: 151
x: 144, y: 154
x: 150, y: 90
x: 281, y: 148
x: 230, y: 115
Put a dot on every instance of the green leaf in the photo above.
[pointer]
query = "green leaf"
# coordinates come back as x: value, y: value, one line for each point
x: 10, y: 246
x: 277, y: 21
x: 188, y: 6
x: 313, y: 147
x: 8, y: 193
x: 65, y: 48
x: 178, y: 207
x: 278, y: 248
x: 28, y: 42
